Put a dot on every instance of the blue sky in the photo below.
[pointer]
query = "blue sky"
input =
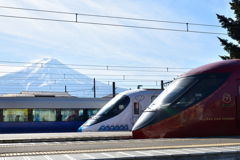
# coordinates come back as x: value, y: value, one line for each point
x: 71, y: 43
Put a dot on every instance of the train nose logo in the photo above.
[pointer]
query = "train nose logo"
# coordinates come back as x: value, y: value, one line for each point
x: 226, y: 98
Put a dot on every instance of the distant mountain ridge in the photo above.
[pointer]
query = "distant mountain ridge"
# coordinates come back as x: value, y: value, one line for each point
x: 52, y: 76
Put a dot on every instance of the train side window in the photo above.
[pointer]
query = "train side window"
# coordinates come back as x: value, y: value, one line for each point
x: 44, y: 115
x: 15, y: 115
x: 136, y: 108
x: 72, y: 114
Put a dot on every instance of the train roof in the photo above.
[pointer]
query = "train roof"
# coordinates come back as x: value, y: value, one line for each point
x: 131, y: 92
x: 52, y: 102
x: 37, y: 94
x: 231, y: 65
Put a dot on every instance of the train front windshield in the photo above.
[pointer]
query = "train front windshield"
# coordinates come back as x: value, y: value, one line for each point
x: 176, y: 89
x: 111, y: 109
x: 185, y: 92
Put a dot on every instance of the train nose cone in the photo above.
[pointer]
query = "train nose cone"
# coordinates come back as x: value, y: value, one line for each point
x: 85, y: 129
x: 139, y: 129
x: 80, y: 129
x: 145, y: 120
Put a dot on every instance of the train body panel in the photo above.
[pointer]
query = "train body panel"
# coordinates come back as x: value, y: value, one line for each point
x: 121, y: 113
x: 46, y: 114
x: 203, y: 102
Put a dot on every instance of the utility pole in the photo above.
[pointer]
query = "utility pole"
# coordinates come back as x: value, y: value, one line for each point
x: 113, y: 85
x: 162, y: 84
x: 94, y: 88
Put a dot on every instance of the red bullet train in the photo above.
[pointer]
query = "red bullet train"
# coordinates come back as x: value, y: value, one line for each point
x: 201, y: 103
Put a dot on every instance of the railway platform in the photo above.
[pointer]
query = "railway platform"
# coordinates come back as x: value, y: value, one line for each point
x: 114, y: 146
x: 61, y: 137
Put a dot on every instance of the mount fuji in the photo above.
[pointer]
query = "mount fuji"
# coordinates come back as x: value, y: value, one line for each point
x: 50, y: 75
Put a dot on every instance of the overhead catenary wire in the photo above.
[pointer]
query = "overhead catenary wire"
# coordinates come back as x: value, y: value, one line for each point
x: 113, y: 25
x: 80, y: 89
x: 8, y: 86
x: 70, y: 88
x: 109, y: 24
x: 131, y: 70
x: 115, y: 17
x: 112, y: 75
x: 103, y: 81
x: 66, y: 79
x: 105, y: 66
x: 113, y: 69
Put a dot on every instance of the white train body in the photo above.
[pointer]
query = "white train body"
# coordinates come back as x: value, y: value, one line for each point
x: 121, y: 113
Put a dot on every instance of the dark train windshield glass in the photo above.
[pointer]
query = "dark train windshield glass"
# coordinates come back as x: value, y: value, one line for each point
x: 185, y: 92
x: 111, y: 109
x: 115, y: 106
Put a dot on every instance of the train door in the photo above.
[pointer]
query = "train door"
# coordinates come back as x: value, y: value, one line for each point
x: 238, y: 105
x: 30, y: 115
x: 136, y: 112
x: 139, y: 108
x: 1, y: 115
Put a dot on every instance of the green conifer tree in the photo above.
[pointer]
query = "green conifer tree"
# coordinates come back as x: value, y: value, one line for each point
x: 233, y: 28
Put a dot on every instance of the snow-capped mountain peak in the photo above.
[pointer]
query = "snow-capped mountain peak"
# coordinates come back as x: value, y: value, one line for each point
x: 51, y: 75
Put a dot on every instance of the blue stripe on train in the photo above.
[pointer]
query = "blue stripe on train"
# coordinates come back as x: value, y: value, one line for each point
x: 39, y: 127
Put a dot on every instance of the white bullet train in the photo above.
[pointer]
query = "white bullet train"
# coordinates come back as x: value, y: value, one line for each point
x: 121, y: 113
